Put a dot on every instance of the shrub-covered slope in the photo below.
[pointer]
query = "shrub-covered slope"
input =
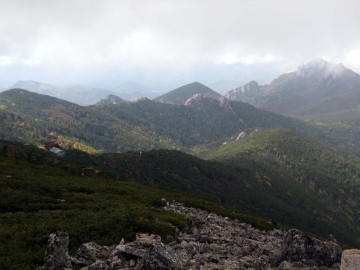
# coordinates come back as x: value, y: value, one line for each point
x: 37, y: 199
x: 248, y: 185
x: 298, y: 160
x: 144, y: 124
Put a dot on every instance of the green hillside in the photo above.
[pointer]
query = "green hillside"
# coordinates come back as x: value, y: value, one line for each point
x: 204, y: 121
x: 145, y: 124
x: 332, y: 178
x: 37, y: 199
x: 247, y: 184
x: 29, y: 117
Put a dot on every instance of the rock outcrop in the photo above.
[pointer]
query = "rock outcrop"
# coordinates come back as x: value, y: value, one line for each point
x: 209, y: 241
x: 56, y: 255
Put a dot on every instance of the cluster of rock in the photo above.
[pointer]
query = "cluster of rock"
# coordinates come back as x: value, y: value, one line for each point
x: 209, y: 241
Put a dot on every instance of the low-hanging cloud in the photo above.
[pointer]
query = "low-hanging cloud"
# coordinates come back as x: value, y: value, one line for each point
x: 70, y: 38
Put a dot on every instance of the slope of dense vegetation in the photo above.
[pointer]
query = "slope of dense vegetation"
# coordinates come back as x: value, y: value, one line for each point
x: 334, y: 178
x: 36, y: 200
x: 29, y: 117
x: 145, y: 124
x: 247, y: 184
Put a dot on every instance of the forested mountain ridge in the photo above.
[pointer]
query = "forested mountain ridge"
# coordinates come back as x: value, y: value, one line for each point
x: 143, y: 124
x: 330, y: 175
x: 29, y: 117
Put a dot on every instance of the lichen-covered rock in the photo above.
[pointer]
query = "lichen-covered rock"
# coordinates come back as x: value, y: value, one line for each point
x: 92, y: 252
x: 56, y: 255
x: 160, y: 256
x: 298, y: 246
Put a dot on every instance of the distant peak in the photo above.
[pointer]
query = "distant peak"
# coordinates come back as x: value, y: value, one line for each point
x: 180, y: 95
x: 320, y: 68
x: 196, y: 83
x: 248, y: 87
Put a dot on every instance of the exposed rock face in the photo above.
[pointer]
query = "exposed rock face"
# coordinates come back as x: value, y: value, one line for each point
x: 249, y: 92
x: 298, y: 246
x: 208, y: 242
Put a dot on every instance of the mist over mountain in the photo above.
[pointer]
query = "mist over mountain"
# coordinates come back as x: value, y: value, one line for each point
x: 223, y: 86
x: 131, y: 90
x: 318, y: 89
x: 37, y: 87
x: 105, y: 126
x: 86, y: 94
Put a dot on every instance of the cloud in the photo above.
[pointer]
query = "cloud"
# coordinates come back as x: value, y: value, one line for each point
x: 6, y: 60
x: 352, y: 59
x: 88, y: 38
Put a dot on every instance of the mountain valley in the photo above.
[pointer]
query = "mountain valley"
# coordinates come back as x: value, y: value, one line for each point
x: 282, y: 155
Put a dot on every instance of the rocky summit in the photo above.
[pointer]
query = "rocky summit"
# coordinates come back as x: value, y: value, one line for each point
x: 209, y: 241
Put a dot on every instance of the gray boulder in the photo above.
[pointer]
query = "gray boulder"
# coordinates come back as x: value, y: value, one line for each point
x: 300, y: 247
x: 56, y: 254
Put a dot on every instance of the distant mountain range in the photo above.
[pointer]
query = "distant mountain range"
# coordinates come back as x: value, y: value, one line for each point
x: 318, y: 89
x: 79, y: 94
x: 84, y: 94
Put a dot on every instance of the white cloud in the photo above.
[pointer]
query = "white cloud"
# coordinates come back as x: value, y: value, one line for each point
x: 352, y: 60
x: 6, y: 60
x: 73, y: 38
x: 232, y: 58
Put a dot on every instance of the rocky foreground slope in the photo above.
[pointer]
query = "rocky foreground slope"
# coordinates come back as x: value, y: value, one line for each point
x: 210, y: 241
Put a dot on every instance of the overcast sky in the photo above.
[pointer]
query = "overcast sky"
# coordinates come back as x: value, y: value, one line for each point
x: 168, y: 43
